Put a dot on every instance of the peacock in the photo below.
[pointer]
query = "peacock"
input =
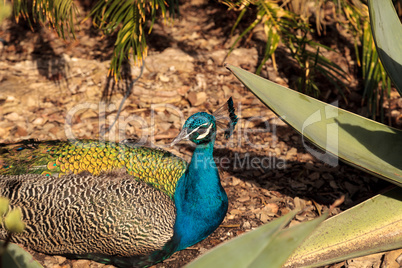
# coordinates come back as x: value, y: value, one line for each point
x: 117, y: 203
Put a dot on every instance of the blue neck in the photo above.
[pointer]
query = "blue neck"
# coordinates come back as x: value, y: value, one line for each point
x: 201, y: 202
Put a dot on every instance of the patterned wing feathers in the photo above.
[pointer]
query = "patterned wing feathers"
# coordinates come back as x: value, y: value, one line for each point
x: 109, y: 214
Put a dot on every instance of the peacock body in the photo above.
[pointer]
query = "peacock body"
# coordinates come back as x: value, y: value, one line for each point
x: 117, y: 203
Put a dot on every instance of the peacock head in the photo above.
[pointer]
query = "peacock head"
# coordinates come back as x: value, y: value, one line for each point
x: 200, y: 128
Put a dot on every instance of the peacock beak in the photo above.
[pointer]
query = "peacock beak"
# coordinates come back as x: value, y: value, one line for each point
x: 183, y: 135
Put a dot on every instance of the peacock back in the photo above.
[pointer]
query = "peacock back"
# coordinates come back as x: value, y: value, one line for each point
x: 155, y: 167
x: 109, y: 217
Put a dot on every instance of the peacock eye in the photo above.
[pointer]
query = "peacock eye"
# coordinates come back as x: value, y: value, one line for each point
x: 202, y: 130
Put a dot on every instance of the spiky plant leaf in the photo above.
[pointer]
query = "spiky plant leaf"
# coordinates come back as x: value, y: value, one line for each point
x: 363, y: 143
x: 387, y: 32
x: 276, y: 253
x: 13, y: 221
x: 15, y: 256
x: 4, y: 202
x: 373, y: 226
x: 352, y: 138
x: 369, y: 227
x: 250, y: 244
x: 268, y: 244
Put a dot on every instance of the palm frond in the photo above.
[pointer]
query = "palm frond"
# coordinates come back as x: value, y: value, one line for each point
x: 60, y: 14
x: 130, y: 19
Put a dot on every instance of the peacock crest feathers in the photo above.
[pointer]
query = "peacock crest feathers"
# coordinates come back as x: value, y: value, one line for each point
x: 226, y: 113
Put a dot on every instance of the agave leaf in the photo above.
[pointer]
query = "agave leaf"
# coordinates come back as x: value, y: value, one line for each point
x: 277, y: 252
x: 387, y: 32
x: 249, y: 244
x: 15, y: 256
x: 266, y: 244
x: 352, y: 138
x: 372, y: 226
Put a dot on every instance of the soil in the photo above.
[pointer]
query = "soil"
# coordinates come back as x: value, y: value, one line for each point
x: 55, y: 89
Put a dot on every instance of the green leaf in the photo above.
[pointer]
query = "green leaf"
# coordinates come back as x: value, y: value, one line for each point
x: 283, y: 244
x: 370, y: 227
x: 249, y: 244
x: 266, y: 244
x: 13, y: 221
x: 5, y: 11
x: 16, y: 256
x: 363, y: 143
x: 387, y: 32
x: 4, y: 202
x: 60, y: 14
x: 134, y: 17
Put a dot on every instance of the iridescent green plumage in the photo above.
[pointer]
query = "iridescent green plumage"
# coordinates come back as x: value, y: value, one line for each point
x: 158, y: 168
